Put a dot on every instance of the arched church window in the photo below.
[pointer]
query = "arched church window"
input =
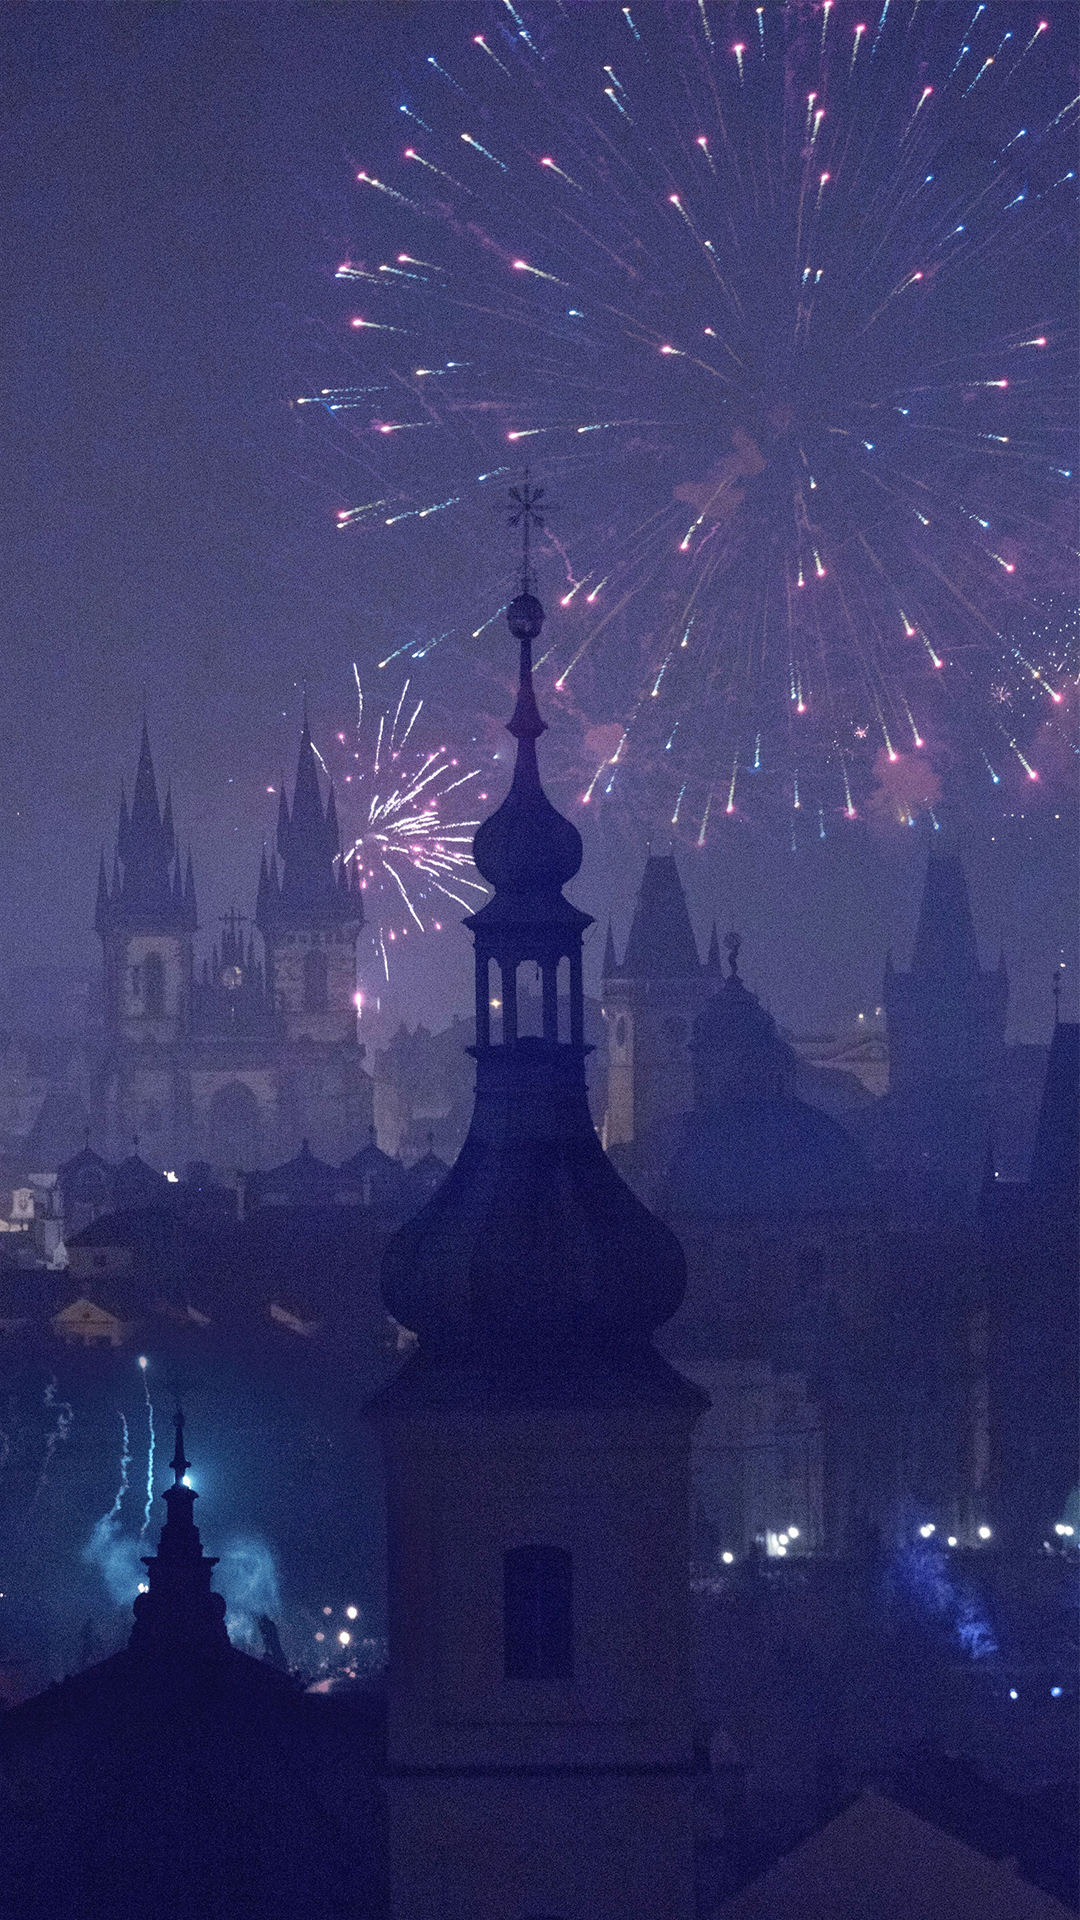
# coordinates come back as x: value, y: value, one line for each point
x: 538, y: 1613
x: 316, y: 995
x: 154, y: 984
x: 620, y: 1031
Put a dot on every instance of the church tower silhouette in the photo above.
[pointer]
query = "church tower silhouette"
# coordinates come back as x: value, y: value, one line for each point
x: 540, y: 1758
x: 310, y: 917
x: 146, y: 919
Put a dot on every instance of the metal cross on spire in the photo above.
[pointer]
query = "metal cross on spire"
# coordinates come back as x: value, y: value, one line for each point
x: 524, y: 513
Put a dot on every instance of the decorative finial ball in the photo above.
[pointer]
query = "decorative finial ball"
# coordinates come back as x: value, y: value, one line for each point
x: 525, y: 616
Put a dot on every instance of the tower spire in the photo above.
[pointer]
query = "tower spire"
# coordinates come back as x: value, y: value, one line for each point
x: 179, y: 1613
x: 147, y: 892
x: 592, y: 1270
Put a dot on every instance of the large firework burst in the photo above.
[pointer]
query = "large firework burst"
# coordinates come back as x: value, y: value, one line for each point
x: 781, y: 299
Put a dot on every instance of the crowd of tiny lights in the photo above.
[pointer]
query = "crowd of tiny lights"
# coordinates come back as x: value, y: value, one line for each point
x: 769, y: 294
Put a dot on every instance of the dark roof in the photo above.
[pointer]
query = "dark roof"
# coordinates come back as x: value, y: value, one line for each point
x: 661, y: 945
x: 297, y: 1182
x: 380, y: 1180
x: 182, y: 1777
x: 61, y: 1128
x: 877, y: 1858
x: 764, y: 1155
x: 86, y: 1161
x: 136, y: 1184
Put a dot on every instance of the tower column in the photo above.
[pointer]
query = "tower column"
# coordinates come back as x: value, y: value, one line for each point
x: 537, y: 1453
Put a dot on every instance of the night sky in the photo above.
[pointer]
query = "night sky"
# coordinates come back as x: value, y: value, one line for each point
x: 179, y: 186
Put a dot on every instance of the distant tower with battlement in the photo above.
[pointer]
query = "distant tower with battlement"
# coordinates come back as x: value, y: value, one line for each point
x: 945, y: 1015
x: 650, y: 1002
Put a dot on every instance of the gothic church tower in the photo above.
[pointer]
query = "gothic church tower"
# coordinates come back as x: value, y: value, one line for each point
x: 649, y: 1004
x: 146, y: 920
x: 946, y: 1016
x: 537, y: 1458
x: 309, y: 917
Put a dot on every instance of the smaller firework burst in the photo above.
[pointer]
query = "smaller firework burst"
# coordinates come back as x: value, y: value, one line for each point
x: 401, y: 826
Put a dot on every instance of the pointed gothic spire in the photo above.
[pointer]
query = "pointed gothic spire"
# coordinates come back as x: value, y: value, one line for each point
x: 101, y: 910
x: 179, y: 1614
x: 178, y: 1463
x: 307, y: 812
x: 714, y: 964
x: 123, y: 830
x: 308, y: 839
x: 144, y: 804
x: 611, y: 964
x: 167, y: 830
x: 333, y: 833
x: 661, y: 945
x: 147, y: 890
x: 945, y: 943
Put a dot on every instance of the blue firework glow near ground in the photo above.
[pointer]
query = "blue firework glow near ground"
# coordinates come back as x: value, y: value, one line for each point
x: 780, y: 300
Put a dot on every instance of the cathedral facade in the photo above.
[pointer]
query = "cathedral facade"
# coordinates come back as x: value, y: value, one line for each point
x: 238, y: 1060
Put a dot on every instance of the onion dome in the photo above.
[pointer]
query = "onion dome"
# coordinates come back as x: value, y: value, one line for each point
x: 526, y: 845
x: 750, y: 1147
x: 736, y: 1048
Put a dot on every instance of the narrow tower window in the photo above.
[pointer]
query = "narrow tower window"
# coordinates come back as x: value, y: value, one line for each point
x: 538, y: 1614
x: 316, y: 998
x: 154, y: 985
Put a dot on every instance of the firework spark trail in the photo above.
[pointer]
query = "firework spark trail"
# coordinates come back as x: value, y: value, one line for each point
x: 106, y: 1526
x: 150, y: 1448
x: 64, y: 1416
x: 837, y: 177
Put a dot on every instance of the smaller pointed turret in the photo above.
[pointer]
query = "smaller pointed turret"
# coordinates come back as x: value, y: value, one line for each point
x: 945, y: 1015
x: 101, y: 910
x: 266, y: 896
x: 147, y: 894
x: 661, y: 945
x: 945, y: 943
x: 179, y: 1614
x: 167, y: 829
x: 308, y: 840
x: 333, y: 832
x: 123, y: 830
x: 611, y: 964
